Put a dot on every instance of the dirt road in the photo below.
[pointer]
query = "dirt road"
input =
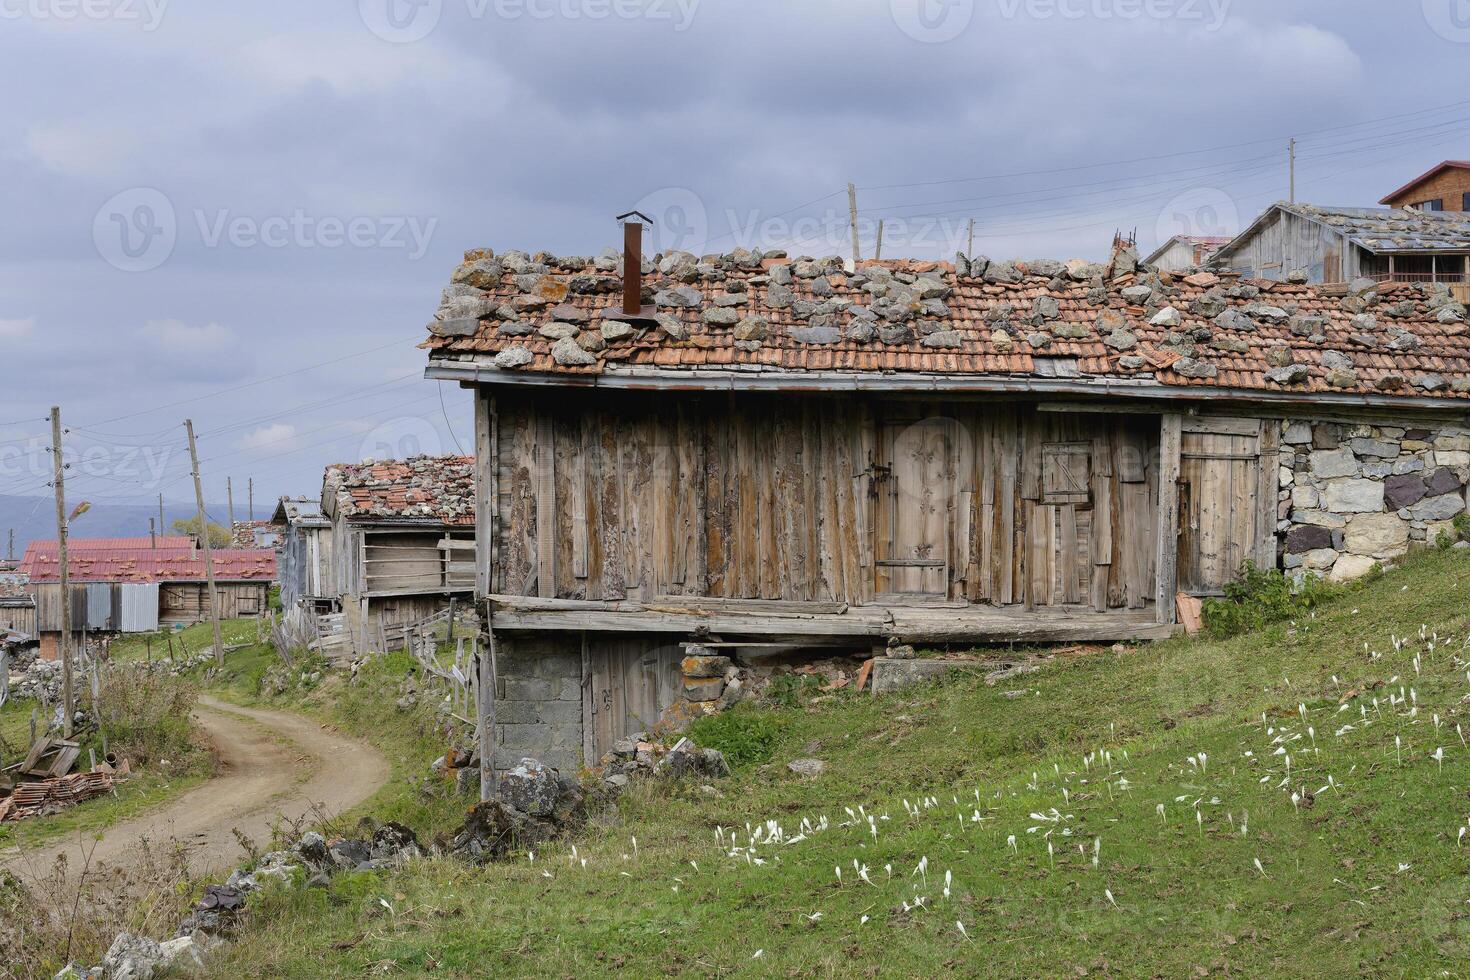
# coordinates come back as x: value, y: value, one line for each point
x: 272, y: 766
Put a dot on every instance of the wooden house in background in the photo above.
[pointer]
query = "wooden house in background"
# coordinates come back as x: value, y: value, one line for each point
x: 748, y: 449
x: 1444, y: 187
x: 305, y: 564
x: 1185, y: 253
x: 138, y: 585
x: 1340, y: 245
x: 402, y: 539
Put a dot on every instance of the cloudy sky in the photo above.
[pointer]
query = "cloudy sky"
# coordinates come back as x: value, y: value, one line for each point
x: 243, y: 213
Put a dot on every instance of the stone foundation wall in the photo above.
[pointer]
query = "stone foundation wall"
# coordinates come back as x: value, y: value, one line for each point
x: 1354, y: 495
x: 538, y: 711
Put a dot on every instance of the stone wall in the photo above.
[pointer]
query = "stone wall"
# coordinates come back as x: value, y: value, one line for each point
x: 538, y: 711
x: 1353, y: 495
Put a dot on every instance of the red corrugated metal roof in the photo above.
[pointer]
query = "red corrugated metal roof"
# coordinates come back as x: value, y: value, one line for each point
x: 148, y: 565
x: 113, y: 544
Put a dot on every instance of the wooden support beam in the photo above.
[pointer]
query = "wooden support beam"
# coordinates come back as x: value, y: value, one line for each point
x: 1166, y: 563
x: 545, y: 507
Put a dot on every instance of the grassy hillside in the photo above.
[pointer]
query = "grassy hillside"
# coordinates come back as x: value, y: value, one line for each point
x: 1269, y: 802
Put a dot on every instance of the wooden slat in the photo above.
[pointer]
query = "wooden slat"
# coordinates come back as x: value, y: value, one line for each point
x: 545, y: 451
x: 1267, y: 483
x: 1168, y: 519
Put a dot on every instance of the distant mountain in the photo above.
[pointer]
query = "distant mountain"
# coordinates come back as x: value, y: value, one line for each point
x: 35, y: 517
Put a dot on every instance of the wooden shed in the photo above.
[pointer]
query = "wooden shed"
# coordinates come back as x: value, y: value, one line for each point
x: 134, y: 585
x: 304, y: 556
x: 752, y: 449
x: 402, y: 539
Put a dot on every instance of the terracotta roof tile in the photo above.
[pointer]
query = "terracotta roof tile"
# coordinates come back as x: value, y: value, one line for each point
x: 1408, y: 317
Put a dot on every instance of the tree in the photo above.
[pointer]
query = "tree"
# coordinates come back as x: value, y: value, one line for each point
x: 219, y: 535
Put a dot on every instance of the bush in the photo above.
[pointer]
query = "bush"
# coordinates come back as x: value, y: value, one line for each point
x: 145, y: 714
x: 745, y: 734
x: 1263, y: 596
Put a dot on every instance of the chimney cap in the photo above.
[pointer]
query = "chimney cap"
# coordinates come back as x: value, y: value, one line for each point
x: 645, y: 219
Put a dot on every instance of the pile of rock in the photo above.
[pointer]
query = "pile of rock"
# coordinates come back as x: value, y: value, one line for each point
x: 534, y: 803
x: 311, y: 860
x: 40, y: 680
x: 1353, y: 496
x: 639, y: 755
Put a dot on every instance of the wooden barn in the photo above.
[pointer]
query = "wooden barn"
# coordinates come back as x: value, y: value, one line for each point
x: 402, y: 539
x: 304, y: 555
x: 134, y: 585
x: 1340, y: 245
x: 746, y: 449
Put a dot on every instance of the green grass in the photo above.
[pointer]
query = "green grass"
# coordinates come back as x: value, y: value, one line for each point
x: 190, y: 640
x: 1363, y: 875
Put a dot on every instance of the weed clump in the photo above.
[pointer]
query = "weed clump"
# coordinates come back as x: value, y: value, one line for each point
x: 1263, y: 596
x: 747, y: 735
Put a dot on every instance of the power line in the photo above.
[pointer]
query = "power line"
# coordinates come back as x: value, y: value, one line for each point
x: 250, y: 384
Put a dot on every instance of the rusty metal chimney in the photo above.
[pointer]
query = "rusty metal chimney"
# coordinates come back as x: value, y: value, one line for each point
x: 633, y: 223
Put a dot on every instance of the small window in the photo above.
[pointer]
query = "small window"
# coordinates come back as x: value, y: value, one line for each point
x: 1465, y: 204
x: 1066, y: 472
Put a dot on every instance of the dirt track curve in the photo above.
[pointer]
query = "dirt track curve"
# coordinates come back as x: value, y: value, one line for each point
x: 273, y: 765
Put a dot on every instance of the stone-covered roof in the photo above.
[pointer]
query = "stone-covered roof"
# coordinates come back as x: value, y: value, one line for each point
x: 756, y: 314
x: 422, y: 489
x: 1385, y: 231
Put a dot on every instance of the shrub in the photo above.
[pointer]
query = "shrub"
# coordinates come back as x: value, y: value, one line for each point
x: 1263, y: 596
x: 145, y: 714
x: 745, y: 734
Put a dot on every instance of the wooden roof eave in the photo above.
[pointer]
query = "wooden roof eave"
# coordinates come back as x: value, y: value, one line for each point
x: 697, y: 379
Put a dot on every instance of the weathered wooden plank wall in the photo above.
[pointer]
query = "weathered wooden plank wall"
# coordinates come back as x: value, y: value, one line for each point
x: 823, y: 499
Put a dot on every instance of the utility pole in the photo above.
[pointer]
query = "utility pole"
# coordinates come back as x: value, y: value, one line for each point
x: 161, y: 526
x: 219, y: 643
x: 250, y: 489
x: 230, y: 503
x: 10, y: 547
x: 152, y: 534
x: 1291, y: 155
x: 59, y: 484
x: 970, y: 249
x: 878, y: 253
x: 852, y: 215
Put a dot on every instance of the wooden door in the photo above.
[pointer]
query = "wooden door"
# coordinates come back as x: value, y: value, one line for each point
x: 1226, y: 502
x: 914, y: 501
x: 632, y: 680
